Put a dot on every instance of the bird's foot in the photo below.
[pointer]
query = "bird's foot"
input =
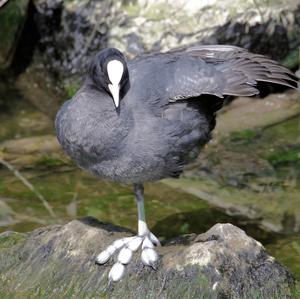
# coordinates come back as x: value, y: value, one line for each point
x: 126, y: 247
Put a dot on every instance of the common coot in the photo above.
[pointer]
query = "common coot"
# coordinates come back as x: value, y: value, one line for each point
x: 144, y: 119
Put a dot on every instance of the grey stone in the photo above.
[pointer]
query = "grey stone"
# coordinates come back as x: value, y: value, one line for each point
x: 72, y: 31
x: 59, y: 261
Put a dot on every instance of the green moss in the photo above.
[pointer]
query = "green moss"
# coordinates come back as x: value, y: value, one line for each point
x: 287, y: 251
x: 245, y: 135
x: 284, y: 156
x: 71, y: 87
x: 296, y: 290
x: 198, y: 287
x: 50, y: 162
x: 131, y: 8
x: 291, y: 61
x: 7, y: 241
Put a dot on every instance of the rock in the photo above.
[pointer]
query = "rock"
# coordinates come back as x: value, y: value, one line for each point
x: 39, y: 89
x: 59, y: 261
x: 59, y: 37
x: 33, y: 152
x: 31, y: 145
x: 72, y: 31
x: 253, y: 113
x: 12, y: 18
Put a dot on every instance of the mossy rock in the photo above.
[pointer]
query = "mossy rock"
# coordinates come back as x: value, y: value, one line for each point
x: 58, y: 262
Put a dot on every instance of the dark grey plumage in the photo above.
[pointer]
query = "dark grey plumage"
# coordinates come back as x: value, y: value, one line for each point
x: 166, y: 114
x: 164, y: 118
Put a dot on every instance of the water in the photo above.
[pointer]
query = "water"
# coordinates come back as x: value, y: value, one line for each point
x: 74, y: 193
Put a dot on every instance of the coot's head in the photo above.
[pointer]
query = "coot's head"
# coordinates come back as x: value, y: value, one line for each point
x: 108, y: 71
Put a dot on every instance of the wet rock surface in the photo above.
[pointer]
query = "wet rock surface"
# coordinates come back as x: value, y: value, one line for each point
x: 59, y: 261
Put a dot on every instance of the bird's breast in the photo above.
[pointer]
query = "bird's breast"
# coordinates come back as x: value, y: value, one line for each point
x: 91, y: 133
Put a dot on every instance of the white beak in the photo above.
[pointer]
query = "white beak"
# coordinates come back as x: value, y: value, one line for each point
x: 115, y: 92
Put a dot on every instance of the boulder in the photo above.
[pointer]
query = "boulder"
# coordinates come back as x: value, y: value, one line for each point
x: 72, y: 31
x: 59, y: 262
x: 60, y: 37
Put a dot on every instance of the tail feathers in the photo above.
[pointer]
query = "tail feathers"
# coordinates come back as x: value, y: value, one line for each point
x: 242, y: 74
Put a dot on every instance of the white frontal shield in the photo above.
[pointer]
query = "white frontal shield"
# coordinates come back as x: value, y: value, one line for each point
x: 115, y: 71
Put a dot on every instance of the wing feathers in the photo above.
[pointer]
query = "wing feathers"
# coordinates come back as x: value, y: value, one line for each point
x: 251, y: 68
x: 219, y: 70
x: 226, y: 70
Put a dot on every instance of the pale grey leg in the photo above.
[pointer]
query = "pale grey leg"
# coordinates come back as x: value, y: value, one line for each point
x: 127, y: 246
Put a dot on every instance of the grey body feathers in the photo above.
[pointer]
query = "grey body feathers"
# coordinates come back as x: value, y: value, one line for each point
x: 166, y: 116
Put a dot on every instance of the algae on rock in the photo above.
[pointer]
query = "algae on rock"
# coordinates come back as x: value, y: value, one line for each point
x: 58, y: 261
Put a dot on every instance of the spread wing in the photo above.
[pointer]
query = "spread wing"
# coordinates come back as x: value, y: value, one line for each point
x: 223, y: 70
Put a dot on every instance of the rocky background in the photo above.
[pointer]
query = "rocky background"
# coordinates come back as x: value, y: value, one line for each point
x: 249, y: 175
x: 59, y: 37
